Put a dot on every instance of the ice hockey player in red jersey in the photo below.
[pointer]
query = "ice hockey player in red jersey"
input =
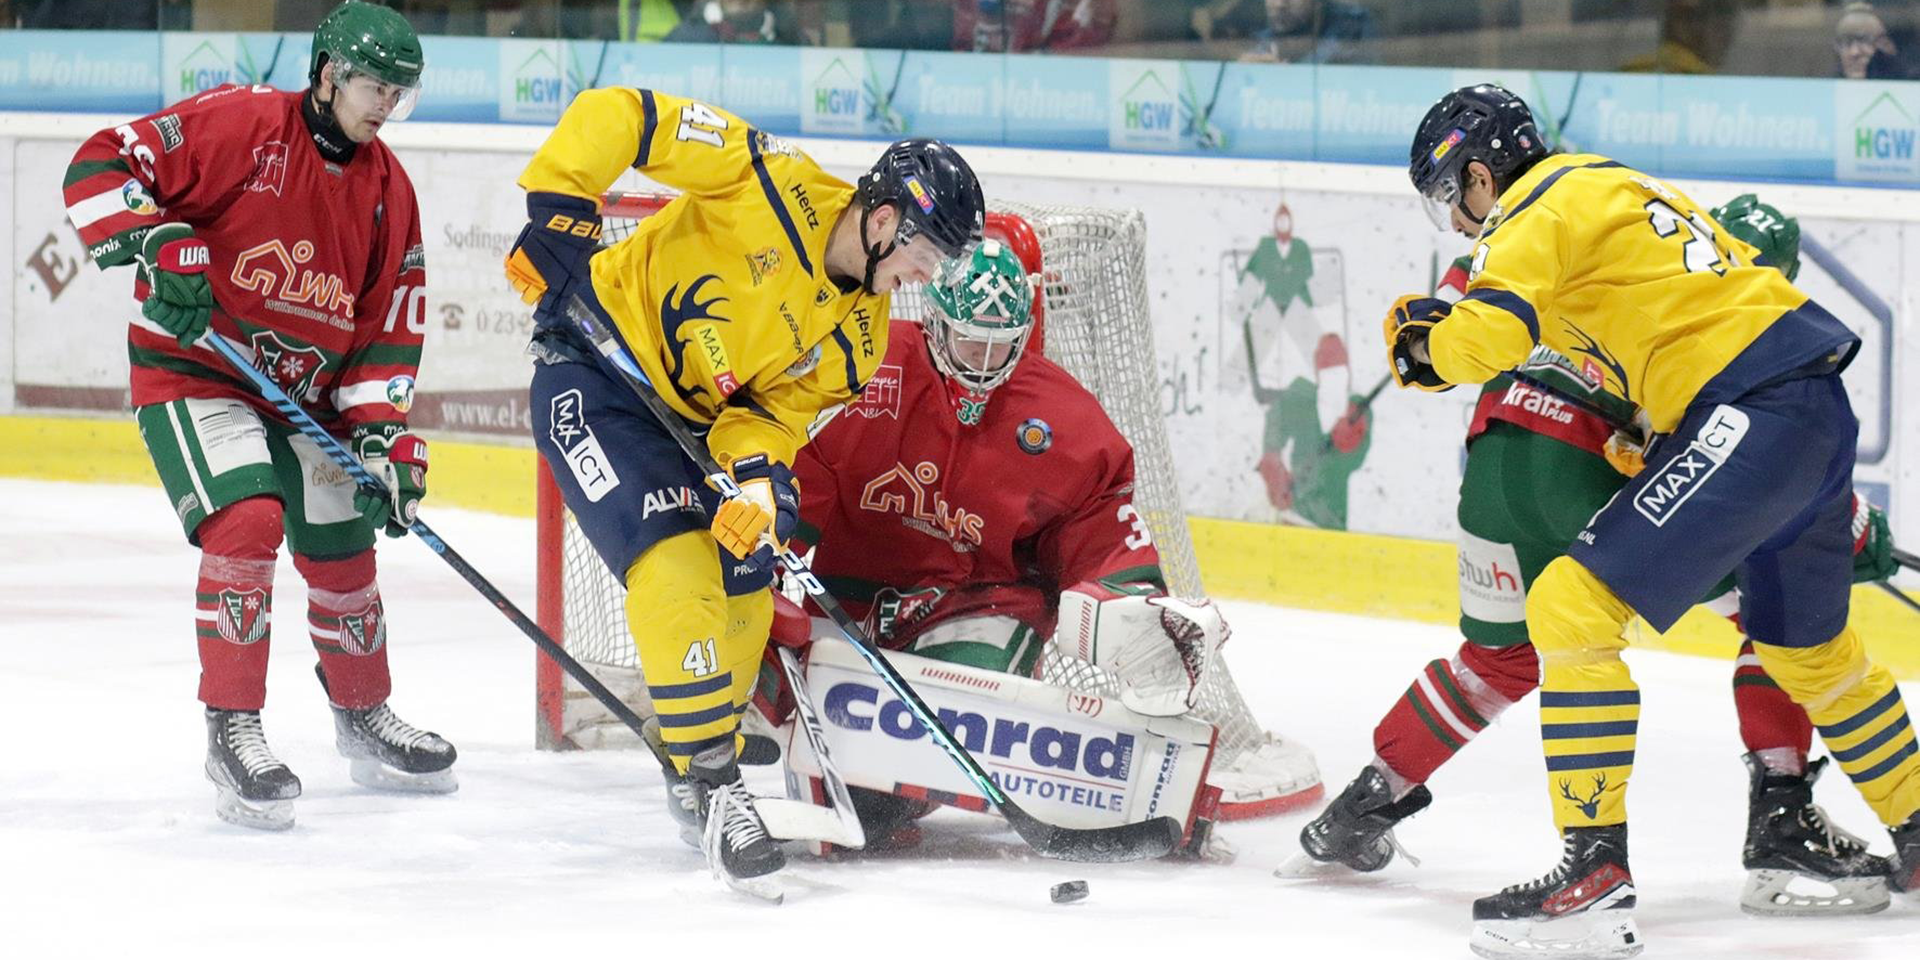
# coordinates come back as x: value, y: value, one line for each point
x: 975, y: 494
x: 279, y: 221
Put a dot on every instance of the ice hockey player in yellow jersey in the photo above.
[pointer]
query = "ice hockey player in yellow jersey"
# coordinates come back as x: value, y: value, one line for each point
x: 755, y: 301
x: 1751, y: 470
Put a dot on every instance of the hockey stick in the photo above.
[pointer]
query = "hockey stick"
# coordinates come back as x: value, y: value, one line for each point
x: 1905, y: 559
x: 1899, y: 594
x: 1143, y: 840
x: 851, y: 834
x: 785, y: 819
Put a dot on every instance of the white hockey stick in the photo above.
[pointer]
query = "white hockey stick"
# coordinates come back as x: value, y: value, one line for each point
x: 796, y: 819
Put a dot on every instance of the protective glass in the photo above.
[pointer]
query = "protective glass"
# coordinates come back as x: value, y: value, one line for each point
x: 367, y: 94
x: 1440, y: 201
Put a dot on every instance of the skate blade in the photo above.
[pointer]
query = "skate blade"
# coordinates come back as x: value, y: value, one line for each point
x: 256, y: 814
x: 1601, y: 935
x: 1787, y: 893
x: 1303, y: 867
x: 375, y: 775
x: 760, y: 889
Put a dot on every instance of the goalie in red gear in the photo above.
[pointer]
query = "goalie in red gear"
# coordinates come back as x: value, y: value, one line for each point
x: 279, y: 221
x: 977, y: 493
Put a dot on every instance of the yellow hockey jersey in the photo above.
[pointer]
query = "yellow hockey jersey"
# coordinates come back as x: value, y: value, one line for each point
x: 1637, y: 285
x: 723, y: 294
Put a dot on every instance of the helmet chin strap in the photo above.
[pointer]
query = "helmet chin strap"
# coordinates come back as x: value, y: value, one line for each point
x: 875, y: 252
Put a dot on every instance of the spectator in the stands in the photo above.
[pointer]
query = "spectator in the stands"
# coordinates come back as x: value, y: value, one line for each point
x: 1307, y: 31
x: 1014, y: 25
x: 1694, y: 37
x: 902, y: 25
x: 730, y: 21
x: 1863, y: 46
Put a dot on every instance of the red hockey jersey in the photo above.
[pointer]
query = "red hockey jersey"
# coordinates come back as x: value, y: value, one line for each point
x: 317, y: 266
x: 954, y: 519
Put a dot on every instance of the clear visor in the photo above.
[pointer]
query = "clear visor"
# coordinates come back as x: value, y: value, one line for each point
x: 1440, y: 200
x: 909, y: 230
x: 916, y: 256
x: 369, y: 96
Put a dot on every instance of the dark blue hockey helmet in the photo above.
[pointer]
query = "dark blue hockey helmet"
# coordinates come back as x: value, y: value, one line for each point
x: 1483, y: 122
x: 935, y: 191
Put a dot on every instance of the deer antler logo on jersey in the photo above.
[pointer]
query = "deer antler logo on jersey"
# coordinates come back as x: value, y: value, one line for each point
x: 678, y: 309
x: 1593, y: 349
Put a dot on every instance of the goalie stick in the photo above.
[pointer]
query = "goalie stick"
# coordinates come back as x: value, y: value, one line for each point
x: 785, y: 819
x: 1142, y: 840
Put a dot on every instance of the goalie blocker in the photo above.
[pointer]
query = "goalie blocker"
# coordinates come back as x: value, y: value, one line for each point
x: 1070, y: 758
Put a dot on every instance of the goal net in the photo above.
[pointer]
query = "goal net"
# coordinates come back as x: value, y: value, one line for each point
x: 1092, y: 320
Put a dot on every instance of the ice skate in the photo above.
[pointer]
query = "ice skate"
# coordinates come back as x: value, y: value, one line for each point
x: 683, y: 798
x: 734, y: 839
x: 1799, y: 864
x: 1355, y: 831
x: 255, y: 788
x: 1582, y: 910
x: 1904, y: 868
x: 388, y: 753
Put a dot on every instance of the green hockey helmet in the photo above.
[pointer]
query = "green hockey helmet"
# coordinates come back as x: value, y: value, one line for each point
x: 979, y: 315
x: 368, y: 40
x: 1774, y: 234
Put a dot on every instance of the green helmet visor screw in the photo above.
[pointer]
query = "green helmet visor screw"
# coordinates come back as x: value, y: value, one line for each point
x: 372, y: 56
x: 979, y: 315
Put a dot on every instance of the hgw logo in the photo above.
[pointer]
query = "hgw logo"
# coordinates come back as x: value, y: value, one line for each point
x: 1146, y: 113
x: 833, y: 95
x: 1883, y: 141
x: 538, y: 80
x: 202, y: 69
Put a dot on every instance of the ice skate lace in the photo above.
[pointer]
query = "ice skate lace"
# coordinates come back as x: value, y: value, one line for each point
x: 1834, y: 841
x: 1553, y: 877
x: 732, y: 817
x: 383, y: 723
x: 1405, y: 854
x: 684, y: 794
x: 249, y: 743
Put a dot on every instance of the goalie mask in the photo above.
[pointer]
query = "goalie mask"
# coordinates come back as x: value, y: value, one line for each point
x: 979, y: 315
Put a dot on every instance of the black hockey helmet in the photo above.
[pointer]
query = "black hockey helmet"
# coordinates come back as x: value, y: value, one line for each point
x: 1483, y: 122
x: 935, y: 191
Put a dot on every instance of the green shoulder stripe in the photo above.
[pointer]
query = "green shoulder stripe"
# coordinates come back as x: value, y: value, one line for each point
x: 86, y: 168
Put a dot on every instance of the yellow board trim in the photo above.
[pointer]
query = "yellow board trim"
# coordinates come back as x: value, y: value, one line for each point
x: 1358, y: 573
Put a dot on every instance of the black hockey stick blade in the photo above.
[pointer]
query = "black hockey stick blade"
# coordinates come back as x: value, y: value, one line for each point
x: 1899, y: 595
x: 1906, y: 559
x: 1127, y: 842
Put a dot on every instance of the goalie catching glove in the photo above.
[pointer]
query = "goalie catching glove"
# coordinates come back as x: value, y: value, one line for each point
x: 1159, y: 647
x: 756, y: 525
x: 1407, y: 325
x: 171, y: 281
x: 399, y: 459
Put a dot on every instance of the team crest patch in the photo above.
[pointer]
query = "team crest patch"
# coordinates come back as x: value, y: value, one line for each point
x: 763, y: 264
x: 138, y: 199
x: 294, y: 368
x: 243, y: 615
x: 362, y: 634
x: 168, y: 127
x: 414, y: 259
x: 806, y: 363
x: 269, y: 168
x: 1035, y: 436
x: 400, y: 393
x: 881, y: 397
x: 825, y: 296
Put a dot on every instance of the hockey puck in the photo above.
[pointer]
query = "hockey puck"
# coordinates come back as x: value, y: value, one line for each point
x: 1073, y: 891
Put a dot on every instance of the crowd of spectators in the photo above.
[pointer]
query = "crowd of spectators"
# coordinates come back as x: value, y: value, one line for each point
x: 1869, y: 40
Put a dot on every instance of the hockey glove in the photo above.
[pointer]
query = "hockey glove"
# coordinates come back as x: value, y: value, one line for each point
x: 1407, y: 326
x: 755, y: 525
x: 171, y: 281
x: 1159, y: 647
x: 549, y: 261
x: 399, y: 459
x: 1872, y: 543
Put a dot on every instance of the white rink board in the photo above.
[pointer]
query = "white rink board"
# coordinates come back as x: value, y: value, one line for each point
x: 112, y: 849
x: 1203, y: 216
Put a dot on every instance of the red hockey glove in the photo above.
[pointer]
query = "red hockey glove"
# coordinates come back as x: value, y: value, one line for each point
x: 1406, y: 327
x: 399, y: 459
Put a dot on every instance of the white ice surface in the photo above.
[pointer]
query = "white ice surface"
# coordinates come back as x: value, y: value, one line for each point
x: 109, y: 847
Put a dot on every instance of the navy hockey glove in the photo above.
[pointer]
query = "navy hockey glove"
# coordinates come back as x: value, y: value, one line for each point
x: 756, y: 525
x: 172, y: 281
x: 399, y: 459
x: 548, y: 262
x: 1407, y: 326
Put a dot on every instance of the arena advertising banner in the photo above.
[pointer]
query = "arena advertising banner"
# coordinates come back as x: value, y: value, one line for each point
x: 1744, y: 127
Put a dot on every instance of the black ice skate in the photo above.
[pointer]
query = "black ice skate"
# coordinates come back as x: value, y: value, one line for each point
x: 683, y: 798
x: 732, y: 835
x: 255, y: 788
x: 388, y: 753
x: 1798, y: 864
x: 1904, y: 869
x: 1582, y: 910
x: 1356, y: 829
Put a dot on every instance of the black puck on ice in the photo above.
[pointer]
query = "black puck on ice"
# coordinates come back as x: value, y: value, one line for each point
x: 1072, y: 891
